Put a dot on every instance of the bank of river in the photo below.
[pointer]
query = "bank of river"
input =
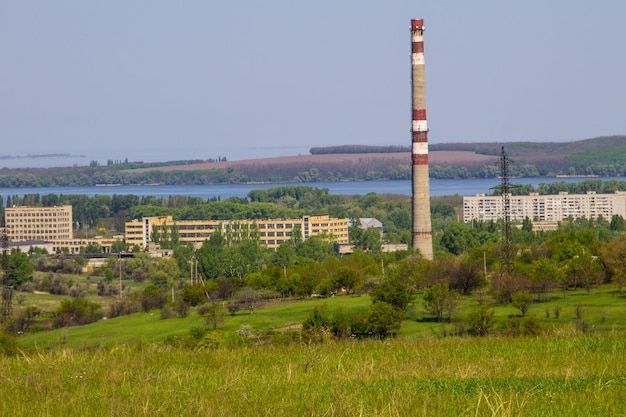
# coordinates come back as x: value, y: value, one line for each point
x: 437, y: 188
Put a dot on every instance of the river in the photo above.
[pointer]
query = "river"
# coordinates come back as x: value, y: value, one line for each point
x: 437, y: 188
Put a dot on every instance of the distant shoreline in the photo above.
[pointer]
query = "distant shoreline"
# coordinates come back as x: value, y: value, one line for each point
x: 36, y: 156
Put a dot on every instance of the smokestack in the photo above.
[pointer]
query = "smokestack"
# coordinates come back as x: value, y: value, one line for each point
x: 422, y: 230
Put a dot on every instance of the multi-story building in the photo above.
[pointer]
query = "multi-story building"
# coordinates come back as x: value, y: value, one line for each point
x: 39, y: 223
x: 547, y: 209
x: 270, y: 232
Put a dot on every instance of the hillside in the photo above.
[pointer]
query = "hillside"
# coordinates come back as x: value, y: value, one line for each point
x: 603, y: 156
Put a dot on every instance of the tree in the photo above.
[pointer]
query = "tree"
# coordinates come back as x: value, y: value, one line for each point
x: 214, y: 315
x: 458, y: 238
x: 152, y: 297
x: 613, y: 256
x: 315, y: 249
x: 20, y: 270
x: 394, y: 292
x: 119, y: 246
x: 91, y: 248
x: 617, y: 223
x: 348, y: 277
x: 76, y: 311
x: 521, y: 300
x: 527, y: 224
x: 480, y: 321
x: 249, y: 297
x: 383, y: 319
x: 440, y: 301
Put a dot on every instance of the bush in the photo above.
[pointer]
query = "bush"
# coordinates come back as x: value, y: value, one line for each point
x: 181, y: 308
x: 383, y: 319
x: 75, y: 312
x: 152, y: 298
x: 106, y: 288
x: 167, y: 313
x: 528, y: 326
x: 480, y: 321
x: 233, y: 308
x: 124, y: 307
x: 79, y: 290
x: 521, y: 300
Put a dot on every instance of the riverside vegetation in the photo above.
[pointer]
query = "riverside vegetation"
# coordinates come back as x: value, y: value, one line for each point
x: 603, y: 156
x: 401, y: 335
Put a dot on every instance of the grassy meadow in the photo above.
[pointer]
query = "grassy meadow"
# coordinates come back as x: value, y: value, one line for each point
x: 561, y: 375
x: 125, y: 366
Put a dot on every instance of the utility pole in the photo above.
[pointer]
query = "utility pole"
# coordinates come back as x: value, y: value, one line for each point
x: 7, y: 291
x: 120, y: 263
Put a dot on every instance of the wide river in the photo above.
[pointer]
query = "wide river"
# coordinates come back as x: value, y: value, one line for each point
x: 437, y: 188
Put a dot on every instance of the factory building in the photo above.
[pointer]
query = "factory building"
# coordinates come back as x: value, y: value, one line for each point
x: 270, y: 232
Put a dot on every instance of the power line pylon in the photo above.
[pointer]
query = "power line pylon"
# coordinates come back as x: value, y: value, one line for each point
x: 507, y: 246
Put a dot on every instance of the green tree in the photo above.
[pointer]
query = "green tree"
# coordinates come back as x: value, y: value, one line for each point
x: 91, y: 248
x: 215, y: 315
x: 348, y: 277
x: 383, y: 319
x: 119, y: 246
x: 152, y: 297
x: 480, y: 321
x: 394, y: 292
x: 459, y: 238
x: 521, y: 300
x: 20, y: 270
x: 617, y: 223
x: 76, y: 311
x: 440, y: 301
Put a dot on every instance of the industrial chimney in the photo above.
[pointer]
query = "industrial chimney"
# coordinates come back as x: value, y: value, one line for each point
x: 422, y: 230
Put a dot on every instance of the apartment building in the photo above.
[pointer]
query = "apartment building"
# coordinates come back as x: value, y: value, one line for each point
x: 39, y: 223
x: 270, y: 232
x: 547, y: 209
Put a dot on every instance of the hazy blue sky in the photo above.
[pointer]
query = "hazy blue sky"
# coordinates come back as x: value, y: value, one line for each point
x: 160, y: 80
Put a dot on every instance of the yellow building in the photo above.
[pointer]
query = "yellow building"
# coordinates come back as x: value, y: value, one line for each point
x: 271, y: 233
x: 39, y: 223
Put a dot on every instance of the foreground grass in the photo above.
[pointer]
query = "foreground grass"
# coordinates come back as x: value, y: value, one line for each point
x: 567, y: 375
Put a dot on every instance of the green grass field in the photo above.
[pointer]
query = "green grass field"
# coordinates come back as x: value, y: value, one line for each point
x: 125, y: 366
x: 567, y: 375
x: 601, y: 310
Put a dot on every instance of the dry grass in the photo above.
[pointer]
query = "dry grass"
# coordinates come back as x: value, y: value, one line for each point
x: 435, y: 157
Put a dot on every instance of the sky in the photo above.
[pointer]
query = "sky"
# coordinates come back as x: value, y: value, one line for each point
x: 155, y: 80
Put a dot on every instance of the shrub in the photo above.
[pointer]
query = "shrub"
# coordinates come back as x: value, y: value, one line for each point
x: 480, y: 321
x: 76, y: 311
x: 152, y: 297
x: 181, y: 307
x: 383, y: 319
x: 79, y: 290
x: 233, y: 308
x: 167, y: 313
x: 214, y: 316
x: 521, y: 300
x: 106, y: 288
x: 528, y: 326
x: 123, y: 307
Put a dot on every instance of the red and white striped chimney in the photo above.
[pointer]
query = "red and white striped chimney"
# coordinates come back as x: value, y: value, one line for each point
x: 422, y: 230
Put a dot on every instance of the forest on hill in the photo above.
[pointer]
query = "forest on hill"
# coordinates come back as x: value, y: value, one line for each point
x: 603, y: 156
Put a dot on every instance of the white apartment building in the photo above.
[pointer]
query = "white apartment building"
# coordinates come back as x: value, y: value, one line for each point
x: 545, y: 208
